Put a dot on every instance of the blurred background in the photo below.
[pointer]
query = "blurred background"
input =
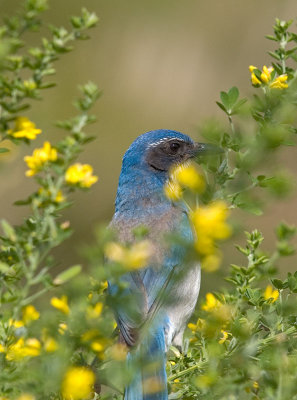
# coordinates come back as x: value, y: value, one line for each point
x: 160, y: 64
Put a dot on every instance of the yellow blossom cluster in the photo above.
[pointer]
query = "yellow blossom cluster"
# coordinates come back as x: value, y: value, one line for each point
x: 24, y: 128
x: 200, y: 324
x: 62, y: 328
x: 61, y: 304
x: 134, y: 257
x: 183, y: 176
x: 50, y: 344
x: 221, y: 314
x: 95, y: 311
x: 224, y: 337
x: 29, y: 313
x: 212, y: 303
x: 78, y: 383
x: 59, y: 197
x: 81, y: 175
x: 209, y: 224
x: 23, y: 348
x: 271, y: 294
x: 267, y: 76
x: 39, y: 158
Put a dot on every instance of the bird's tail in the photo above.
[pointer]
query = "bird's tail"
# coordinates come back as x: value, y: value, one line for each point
x: 150, y: 381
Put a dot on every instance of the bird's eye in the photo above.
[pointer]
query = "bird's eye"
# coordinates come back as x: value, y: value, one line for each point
x: 174, y: 146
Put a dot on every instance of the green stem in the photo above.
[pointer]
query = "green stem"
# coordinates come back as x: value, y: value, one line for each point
x: 231, y: 124
x: 200, y: 365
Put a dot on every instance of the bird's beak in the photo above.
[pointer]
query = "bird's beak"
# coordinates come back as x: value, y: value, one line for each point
x: 205, y: 149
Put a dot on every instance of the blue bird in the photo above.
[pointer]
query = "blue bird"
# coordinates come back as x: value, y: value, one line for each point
x: 160, y: 298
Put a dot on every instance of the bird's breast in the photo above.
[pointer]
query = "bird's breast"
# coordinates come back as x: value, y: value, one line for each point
x: 159, y: 225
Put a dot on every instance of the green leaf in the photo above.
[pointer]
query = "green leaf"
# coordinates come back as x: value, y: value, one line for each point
x: 225, y: 99
x: 278, y: 283
x: 238, y: 106
x: 250, y: 207
x: 285, y: 249
x: 4, y: 150
x: 23, y: 202
x: 285, y: 231
x: 222, y: 106
x: 233, y: 95
x: 66, y: 275
x: 4, y: 267
x: 274, y: 55
x: 242, y: 250
x: 270, y: 37
x: 8, y: 230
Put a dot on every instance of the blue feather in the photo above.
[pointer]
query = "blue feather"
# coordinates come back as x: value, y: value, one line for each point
x: 148, y: 316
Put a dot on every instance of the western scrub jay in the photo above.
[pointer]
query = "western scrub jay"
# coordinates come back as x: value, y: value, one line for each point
x: 161, y: 292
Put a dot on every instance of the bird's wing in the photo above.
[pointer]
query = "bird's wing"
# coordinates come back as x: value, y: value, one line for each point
x: 148, y: 289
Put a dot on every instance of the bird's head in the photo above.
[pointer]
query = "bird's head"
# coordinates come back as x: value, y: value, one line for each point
x: 147, y: 162
x: 159, y: 150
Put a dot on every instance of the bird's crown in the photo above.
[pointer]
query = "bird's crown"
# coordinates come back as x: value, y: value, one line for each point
x: 158, y: 150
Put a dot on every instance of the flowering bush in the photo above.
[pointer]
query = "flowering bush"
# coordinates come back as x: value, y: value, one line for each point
x: 242, y: 341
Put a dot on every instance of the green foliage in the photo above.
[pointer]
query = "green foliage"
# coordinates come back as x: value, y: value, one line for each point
x: 36, y: 63
x: 242, y: 339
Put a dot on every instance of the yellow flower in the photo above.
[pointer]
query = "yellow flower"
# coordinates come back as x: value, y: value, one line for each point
x: 24, y: 128
x: 211, y: 262
x: 32, y: 347
x: 50, y: 345
x: 209, y: 223
x: 200, y: 324
x: 59, y: 197
x: 26, y: 396
x: 90, y: 335
x: 95, y: 312
x: 15, y: 351
x: 271, y: 294
x: 2, y: 348
x: 266, y: 74
x: 255, y: 80
x: 60, y: 304
x: 183, y: 176
x: 173, y: 190
x: 255, y: 385
x: 186, y: 175
x: 103, y: 286
x: 98, y: 346
x: 21, y: 349
x: 30, y: 314
x: 16, y: 323
x: 78, y: 383
x: 280, y: 82
x: 81, y: 175
x: 212, y: 303
x: 224, y: 338
x: 135, y: 257
x: 29, y: 84
x: 62, y: 328
x: 39, y: 158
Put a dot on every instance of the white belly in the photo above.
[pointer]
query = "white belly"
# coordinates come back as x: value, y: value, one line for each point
x: 184, y: 298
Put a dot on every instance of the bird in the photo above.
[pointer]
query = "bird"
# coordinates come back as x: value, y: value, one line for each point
x: 157, y: 301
